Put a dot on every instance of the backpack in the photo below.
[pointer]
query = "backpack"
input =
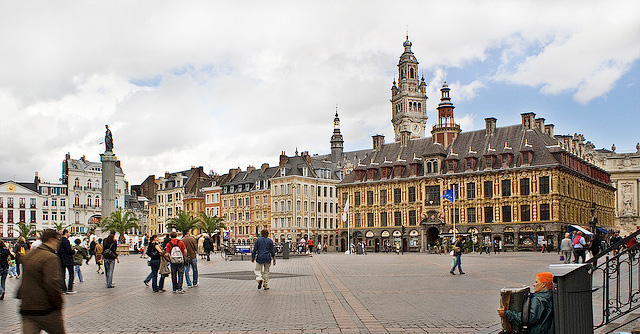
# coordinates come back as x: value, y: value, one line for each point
x: 176, y: 253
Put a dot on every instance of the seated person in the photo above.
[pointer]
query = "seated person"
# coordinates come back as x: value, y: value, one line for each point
x: 540, y: 307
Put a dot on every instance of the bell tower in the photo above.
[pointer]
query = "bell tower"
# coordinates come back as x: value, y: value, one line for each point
x: 447, y: 129
x: 408, y: 97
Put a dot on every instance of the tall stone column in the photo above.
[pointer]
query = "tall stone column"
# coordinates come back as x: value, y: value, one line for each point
x: 108, y: 183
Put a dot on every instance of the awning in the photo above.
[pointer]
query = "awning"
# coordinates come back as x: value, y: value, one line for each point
x: 602, y: 230
x: 579, y: 228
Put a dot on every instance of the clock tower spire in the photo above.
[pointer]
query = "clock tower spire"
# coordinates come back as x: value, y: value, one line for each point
x: 408, y: 97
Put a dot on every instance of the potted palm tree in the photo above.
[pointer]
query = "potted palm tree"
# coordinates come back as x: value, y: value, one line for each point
x: 183, y: 220
x: 25, y: 230
x: 120, y: 222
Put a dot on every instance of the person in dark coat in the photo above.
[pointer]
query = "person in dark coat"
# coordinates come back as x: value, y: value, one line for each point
x: 5, y: 255
x: 208, y: 247
x: 540, y: 307
x: 65, y: 254
x: 20, y: 249
x: 263, y: 253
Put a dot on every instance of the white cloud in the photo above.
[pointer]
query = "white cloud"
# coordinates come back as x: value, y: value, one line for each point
x: 235, y: 84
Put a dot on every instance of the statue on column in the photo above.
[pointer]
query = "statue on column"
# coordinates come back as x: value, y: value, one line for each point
x: 108, y: 139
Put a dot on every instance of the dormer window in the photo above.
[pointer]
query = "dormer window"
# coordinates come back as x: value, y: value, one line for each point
x: 398, y: 171
x: 305, y: 171
x: 451, y: 165
x: 489, y: 160
x: 283, y: 172
x: 526, y: 156
x: 471, y: 163
x: 506, y: 159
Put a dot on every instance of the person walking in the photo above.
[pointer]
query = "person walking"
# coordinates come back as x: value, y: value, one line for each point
x: 191, y: 261
x: 578, y: 247
x: 457, y: 253
x: 98, y: 256
x: 178, y: 253
x: 594, y: 247
x: 201, y: 246
x: 566, y: 248
x: 20, y: 250
x: 110, y: 257
x: 65, y: 253
x: 154, y: 252
x: 40, y: 291
x: 208, y: 246
x: 79, y: 254
x: 263, y: 252
x: 6, y: 256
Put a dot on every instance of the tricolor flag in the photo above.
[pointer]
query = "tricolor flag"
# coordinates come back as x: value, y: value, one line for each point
x: 346, y: 210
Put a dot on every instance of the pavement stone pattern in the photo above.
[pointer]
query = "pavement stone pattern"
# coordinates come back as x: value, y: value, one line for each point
x: 325, y: 293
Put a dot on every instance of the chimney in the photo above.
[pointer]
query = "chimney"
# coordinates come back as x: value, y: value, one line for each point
x: 378, y: 141
x: 283, y: 159
x: 82, y: 158
x: 36, y: 180
x: 306, y: 156
x: 490, y: 126
x: 405, y: 136
x: 166, y: 175
x: 68, y: 156
x: 540, y: 124
x: 528, y: 120
x: 234, y: 171
x: 548, y: 129
x: 118, y: 163
x: 264, y: 167
x: 250, y: 169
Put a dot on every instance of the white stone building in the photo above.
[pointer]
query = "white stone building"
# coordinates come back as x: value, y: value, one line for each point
x: 83, y: 179
x: 19, y: 202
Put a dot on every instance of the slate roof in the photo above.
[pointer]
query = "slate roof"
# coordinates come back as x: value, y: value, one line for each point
x: 473, y: 144
x: 84, y: 165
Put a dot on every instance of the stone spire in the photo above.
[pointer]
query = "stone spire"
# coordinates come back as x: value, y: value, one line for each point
x: 336, y: 140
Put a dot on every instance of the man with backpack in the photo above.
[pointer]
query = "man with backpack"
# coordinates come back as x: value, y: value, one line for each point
x: 177, y: 254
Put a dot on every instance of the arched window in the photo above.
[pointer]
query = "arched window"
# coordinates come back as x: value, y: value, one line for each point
x: 97, y: 201
x: 419, y: 106
x: 435, y: 166
x: 429, y: 167
x: 77, y: 200
x: 411, y: 73
x: 89, y: 200
x: 89, y: 183
x: 76, y: 183
x: 77, y: 217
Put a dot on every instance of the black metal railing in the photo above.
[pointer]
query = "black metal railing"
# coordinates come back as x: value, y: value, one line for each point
x: 616, y: 280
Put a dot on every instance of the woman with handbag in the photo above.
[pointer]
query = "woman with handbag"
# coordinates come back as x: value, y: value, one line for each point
x: 98, y: 256
x: 457, y: 253
x: 5, y: 257
x: 109, y: 257
x: 155, y: 253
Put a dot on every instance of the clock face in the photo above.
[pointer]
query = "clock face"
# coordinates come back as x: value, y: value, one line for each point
x: 415, y: 128
x: 11, y: 188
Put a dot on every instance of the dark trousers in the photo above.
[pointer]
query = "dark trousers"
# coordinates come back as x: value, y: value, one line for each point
x: 69, y: 286
x: 579, y: 253
x: 177, y: 275
x: 155, y: 266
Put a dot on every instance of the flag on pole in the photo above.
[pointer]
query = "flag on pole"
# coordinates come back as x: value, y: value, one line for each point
x: 346, y: 210
x: 448, y: 194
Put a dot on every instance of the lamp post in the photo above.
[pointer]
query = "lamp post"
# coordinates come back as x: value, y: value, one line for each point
x: 594, y: 220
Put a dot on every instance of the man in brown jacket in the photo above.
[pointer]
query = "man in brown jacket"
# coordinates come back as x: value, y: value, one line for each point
x: 41, y: 288
x: 191, y: 261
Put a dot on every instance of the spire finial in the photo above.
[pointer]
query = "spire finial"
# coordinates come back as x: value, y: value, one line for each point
x: 336, y: 110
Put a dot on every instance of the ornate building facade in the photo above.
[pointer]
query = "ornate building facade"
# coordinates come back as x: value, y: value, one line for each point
x: 516, y: 185
x: 625, y: 177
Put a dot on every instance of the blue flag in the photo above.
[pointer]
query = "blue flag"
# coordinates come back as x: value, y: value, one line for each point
x: 448, y: 194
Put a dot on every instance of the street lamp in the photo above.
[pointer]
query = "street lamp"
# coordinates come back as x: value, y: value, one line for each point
x: 594, y: 220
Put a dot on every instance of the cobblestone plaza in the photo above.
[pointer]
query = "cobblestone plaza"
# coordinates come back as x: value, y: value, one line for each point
x: 326, y: 293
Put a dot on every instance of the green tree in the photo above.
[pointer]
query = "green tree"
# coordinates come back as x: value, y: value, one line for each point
x: 210, y: 224
x: 120, y: 222
x: 25, y: 230
x: 59, y: 226
x: 183, y: 220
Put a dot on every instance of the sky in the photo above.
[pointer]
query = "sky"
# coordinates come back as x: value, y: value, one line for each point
x: 226, y: 84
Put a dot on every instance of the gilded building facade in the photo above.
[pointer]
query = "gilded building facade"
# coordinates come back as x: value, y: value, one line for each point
x: 513, y: 186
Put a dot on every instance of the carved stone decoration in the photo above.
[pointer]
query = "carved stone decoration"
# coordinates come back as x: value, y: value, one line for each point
x: 627, y: 200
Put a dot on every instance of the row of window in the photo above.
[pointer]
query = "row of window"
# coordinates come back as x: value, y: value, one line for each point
x: 322, y: 223
x: 170, y: 197
x: 302, y: 206
x: 53, y: 190
x: 525, y: 215
x: 433, y: 194
x: 322, y: 191
x: 245, y: 216
x: 22, y: 202
x: 244, y: 201
x: 22, y: 214
x: 544, y: 213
